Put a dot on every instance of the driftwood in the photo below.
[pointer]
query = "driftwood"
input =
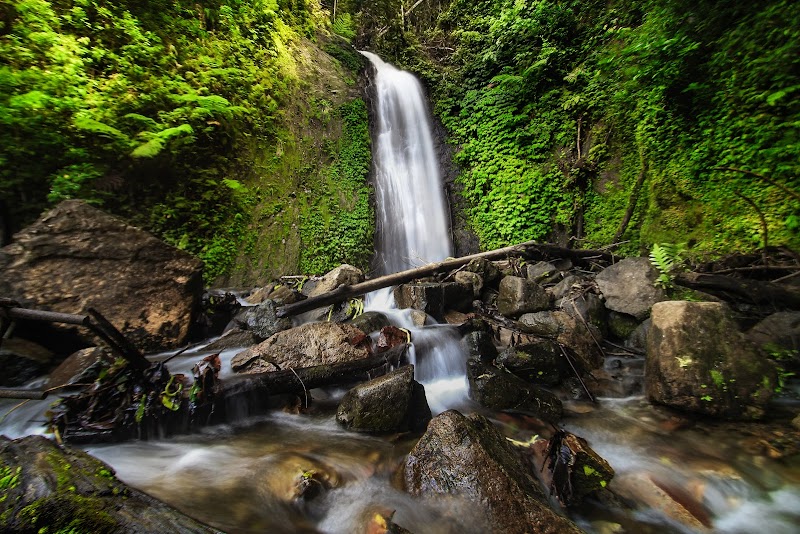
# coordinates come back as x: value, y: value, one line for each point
x: 301, y: 380
x: 528, y: 250
x: 750, y: 291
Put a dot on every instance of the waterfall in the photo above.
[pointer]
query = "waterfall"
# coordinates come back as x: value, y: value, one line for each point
x: 412, y: 225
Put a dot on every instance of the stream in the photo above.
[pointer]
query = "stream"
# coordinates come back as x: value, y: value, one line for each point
x: 241, y: 477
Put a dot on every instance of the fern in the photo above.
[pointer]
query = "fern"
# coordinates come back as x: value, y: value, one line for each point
x: 344, y: 27
x: 663, y: 257
x: 86, y: 124
x: 155, y: 142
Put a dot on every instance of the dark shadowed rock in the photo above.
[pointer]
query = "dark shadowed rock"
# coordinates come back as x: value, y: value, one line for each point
x: 629, y: 287
x: 81, y: 367
x: 53, y: 489
x: 304, y: 346
x: 391, y: 403
x: 233, y: 339
x: 369, y: 322
x: 777, y: 332
x: 542, y: 272
x: 586, y: 307
x: 478, y: 344
x: 488, y: 271
x: 518, y: 295
x: 433, y: 298
x: 76, y: 257
x: 538, y: 363
x: 21, y: 361
x: 262, y: 320
x: 698, y: 361
x: 471, y: 281
x: 469, y: 458
x: 621, y: 325
x: 499, y: 389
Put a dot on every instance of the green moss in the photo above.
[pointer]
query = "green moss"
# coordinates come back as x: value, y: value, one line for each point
x: 717, y: 378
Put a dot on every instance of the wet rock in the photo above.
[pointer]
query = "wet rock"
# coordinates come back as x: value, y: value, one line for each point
x: 283, y: 294
x: 418, y: 318
x: 391, y: 403
x: 262, y: 320
x: 468, y: 457
x: 233, y: 339
x: 81, y: 367
x: 538, y: 363
x: 343, y: 275
x: 586, y: 307
x: 472, y: 281
x: 621, y: 325
x: 542, y: 272
x: 60, y: 489
x: 698, y: 361
x: 76, y: 257
x: 571, y: 284
x: 499, y: 389
x: 295, y: 478
x: 582, y: 338
x: 478, y: 344
x: 304, y: 346
x: 433, y: 298
x: 259, y: 295
x: 217, y: 310
x: 518, y: 296
x: 629, y: 287
x: 543, y: 323
x: 21, y: 361
x: 370, y: 321
x: 455, y: 317
x: 638, y: 338
x: 574, y: 470
x: 486, y: 269
x: 776, y: 333
x: 391, y: 336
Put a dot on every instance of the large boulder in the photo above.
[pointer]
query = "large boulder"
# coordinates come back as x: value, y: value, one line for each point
x: 498, y: 389
x: 630, y: 287
x: 518, y: 296
x: 47, y: 488
x: 469, y: 458
x: 698, y: 361
x: 304, y: 346
x: 390, y: 403
x: 77, y: 257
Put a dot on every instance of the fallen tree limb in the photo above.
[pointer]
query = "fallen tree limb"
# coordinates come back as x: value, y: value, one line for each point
x: 529, y: 250
x: 260, y: 385
x: 751, y: 291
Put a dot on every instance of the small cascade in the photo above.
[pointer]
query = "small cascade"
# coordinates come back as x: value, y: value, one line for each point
x: 412, y: 225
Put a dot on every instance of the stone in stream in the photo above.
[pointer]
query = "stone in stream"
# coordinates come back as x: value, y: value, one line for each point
x: 538, y: 363
x: 262, y: 320
x: 81, y: 367
x: 304, y: 346
x: 232, y: 339
x: 629, y: 286
x: 394, y: 402
x: 370, y: 321
x: 573, y: 469
x: 518, y: 296
x: 470, y: 280
x: 343, y: 275
x: 47, y: 488
x: 21, y: 361
x: 698, y: 361
x: 76, y: 257
x: 478, y: 344
x: 469, y: 458
x: 433, y: 298
x: 499, y: 389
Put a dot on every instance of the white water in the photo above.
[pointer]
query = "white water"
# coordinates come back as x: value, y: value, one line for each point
x: 412, y: 226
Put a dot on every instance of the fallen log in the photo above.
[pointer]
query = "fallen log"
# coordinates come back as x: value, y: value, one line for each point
x: 749, y: 291
x: 529, y: 250
x: 254, y: 387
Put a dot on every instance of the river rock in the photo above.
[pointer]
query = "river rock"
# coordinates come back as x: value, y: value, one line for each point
x: 262, y: 320
x: 478, y: 344
x: 433, y: 298
x: 543, y: 323
x: 777, y: 333
x: 370, y: 321
x: 622, y: 325
x: 21, y: 361
x: 698, y: 361
x: 573, y: 469
x: 542, y: 272
x: 391, y: 403
x: 343, y: 275
x: 518, y: 296
x: 81, y: 367
x: 304, y: 346
x: 47, y: 488
x: 586, y: 307
x: 488, y: 270
x: 472, y: 281
x: 571, y: 284
x: 538, y: 363
x: 582, y: 338
x: 499, y: 389
x: 629, y: 287
x: 468, y: 457
x: 233, y: 339
x: 76, y: 257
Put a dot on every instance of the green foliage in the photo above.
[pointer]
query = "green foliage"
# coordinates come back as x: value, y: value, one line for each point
x: 339, y: 226
x: 343, y: 26
x: 558, y: 108
x: 664, y: 258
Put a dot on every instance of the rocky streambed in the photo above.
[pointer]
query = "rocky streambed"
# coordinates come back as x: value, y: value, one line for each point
x: 545, y: 392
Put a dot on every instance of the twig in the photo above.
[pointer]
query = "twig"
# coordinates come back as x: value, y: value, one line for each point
x: 764, y: 228
x: 788, y: 276
x: 305, y: 391
x: 577, y: 375
x: 765, y: 178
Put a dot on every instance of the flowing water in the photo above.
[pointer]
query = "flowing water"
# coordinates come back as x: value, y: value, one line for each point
x: 242, y: 477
